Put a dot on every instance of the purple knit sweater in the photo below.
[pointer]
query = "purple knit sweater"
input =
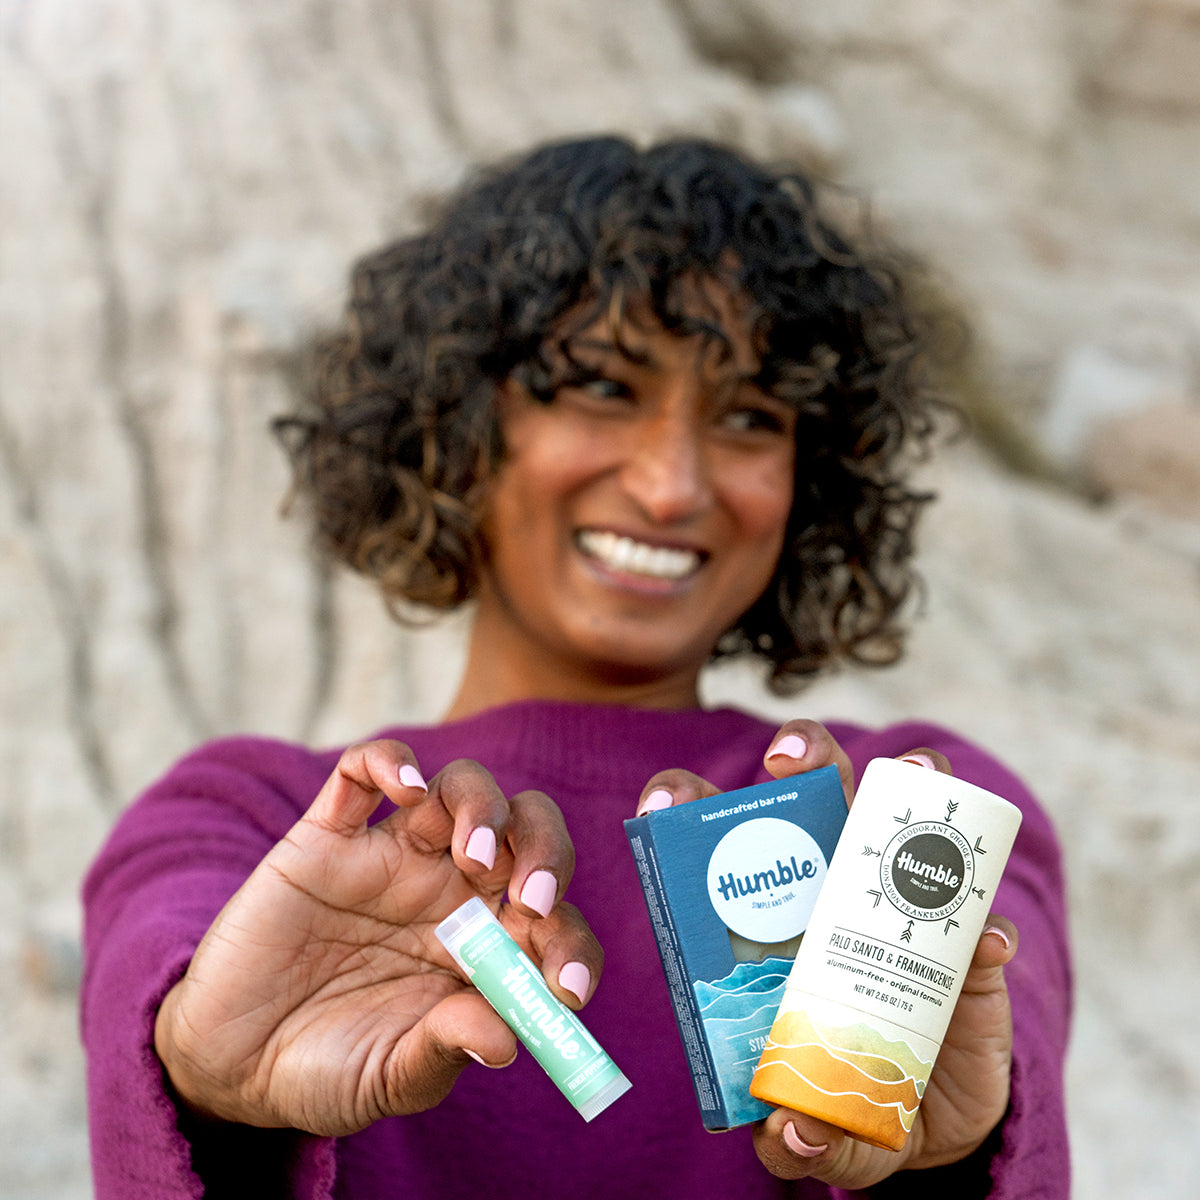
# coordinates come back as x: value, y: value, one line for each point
x: 182, y: 849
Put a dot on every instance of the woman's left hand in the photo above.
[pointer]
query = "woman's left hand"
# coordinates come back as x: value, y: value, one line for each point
x: 968, y: 1091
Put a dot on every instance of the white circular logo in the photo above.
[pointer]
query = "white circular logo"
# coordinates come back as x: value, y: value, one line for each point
x: 763, y: 878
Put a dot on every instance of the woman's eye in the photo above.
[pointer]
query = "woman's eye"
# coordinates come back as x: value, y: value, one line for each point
x: 753, y: 419
x: 603, y: 388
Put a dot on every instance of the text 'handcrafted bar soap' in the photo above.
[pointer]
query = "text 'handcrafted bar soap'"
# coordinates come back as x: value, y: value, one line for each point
x: 730, y: 883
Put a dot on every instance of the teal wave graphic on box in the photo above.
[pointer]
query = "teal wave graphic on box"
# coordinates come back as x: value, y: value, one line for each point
x: 737, y: 1013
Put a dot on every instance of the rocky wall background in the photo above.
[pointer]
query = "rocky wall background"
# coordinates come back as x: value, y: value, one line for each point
x: 181, y: 189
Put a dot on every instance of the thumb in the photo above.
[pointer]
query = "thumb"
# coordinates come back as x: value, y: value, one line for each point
x: 997, y: 947
x: 428, y: 1060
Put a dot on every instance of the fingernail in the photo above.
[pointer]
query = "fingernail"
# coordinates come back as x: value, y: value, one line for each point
x: 411, y: 777
x: 483, y: 1063
x: 995, y: 932
x: 539, y: 891
x: 791, y: 745
x: 577, y: 979
x: 481, y: 846
x: 659, y: 798
x: 797, y: 1145
x: 920, y: 760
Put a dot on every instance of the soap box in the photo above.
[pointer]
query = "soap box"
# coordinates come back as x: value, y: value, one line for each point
x: 730, y: 883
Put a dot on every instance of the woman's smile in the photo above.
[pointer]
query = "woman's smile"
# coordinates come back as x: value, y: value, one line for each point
x: 644, y: 562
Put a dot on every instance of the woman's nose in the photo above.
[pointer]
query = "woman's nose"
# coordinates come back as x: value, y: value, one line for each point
x: 667, y: 472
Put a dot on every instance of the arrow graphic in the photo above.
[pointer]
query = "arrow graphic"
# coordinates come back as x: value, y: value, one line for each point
x: 906, y: 936
x: 949, y: 923
x: 878, y: 896
x: 978, y: 848
x: 904, y: 820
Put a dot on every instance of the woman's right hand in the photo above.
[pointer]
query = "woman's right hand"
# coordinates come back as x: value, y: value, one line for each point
x: 320, y: 998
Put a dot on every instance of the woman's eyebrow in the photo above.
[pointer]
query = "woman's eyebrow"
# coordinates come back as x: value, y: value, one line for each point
x: 641, y: 357
x: 608, y: 347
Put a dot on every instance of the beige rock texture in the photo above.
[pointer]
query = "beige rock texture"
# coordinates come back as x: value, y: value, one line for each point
x: 182, y: 187
x: 1152, y: 454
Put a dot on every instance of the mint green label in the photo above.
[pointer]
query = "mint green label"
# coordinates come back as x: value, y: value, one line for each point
x: 555, y: 1037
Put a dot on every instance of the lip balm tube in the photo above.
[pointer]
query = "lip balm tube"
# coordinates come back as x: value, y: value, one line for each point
x: 881, y: 967
x: 514, y: 987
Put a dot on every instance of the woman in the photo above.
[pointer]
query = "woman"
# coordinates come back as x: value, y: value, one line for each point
x: 642, y: 409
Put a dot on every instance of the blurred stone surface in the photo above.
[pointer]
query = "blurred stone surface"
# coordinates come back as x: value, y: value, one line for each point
x: 181, y: 189
x: 1152, y: 455
x: 1142, y: 355
x: 51, y: 963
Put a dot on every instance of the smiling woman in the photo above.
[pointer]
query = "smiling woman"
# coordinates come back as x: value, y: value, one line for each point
x: 641, y: 408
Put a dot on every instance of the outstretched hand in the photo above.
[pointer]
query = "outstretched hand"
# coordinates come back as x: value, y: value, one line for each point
x: 967, y: 1093
x: 320, y: 998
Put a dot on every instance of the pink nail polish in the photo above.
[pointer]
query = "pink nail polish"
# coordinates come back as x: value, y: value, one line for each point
x: 789, y: 746
x: 411, y: 777
x: 577, y: 979
x: 539, y: 892
x: 992, y: 929
x: 797, y: 1145
x: 484, y: 1063
x: 481, y: 846
x: 658, y: 799
x: 920, y: 760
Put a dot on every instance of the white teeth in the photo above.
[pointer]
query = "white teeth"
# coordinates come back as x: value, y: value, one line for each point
x: 637, y: 558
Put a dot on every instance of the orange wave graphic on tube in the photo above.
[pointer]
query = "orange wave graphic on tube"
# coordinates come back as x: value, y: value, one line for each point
x: 852, y: 1077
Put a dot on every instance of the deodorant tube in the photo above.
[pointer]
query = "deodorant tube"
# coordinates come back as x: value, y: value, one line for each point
x: 514, y: 987
x: 881, y: 967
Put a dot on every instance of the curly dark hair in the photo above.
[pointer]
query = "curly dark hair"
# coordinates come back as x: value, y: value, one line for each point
x: 399, y: 436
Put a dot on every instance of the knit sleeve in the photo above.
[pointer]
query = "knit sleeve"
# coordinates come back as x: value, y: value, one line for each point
x: 1029, y: 1155
x: 169, y: 865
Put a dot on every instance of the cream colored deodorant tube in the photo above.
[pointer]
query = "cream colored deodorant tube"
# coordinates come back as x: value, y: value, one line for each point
x: 882, y: 962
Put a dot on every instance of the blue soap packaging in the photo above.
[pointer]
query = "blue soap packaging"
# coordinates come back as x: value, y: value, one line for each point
x: 730, y: 882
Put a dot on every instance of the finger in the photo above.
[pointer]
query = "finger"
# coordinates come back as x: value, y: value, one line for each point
x: 365, y: 774
x: 803, y: 745
x: 672, y: 787
x: 543, y: 856
x: 570, y: 956
x: 792, y: 1145
x: 475, y: 823
x: 997, y: 946
x: 456, y: 1031
x: 934, y: 760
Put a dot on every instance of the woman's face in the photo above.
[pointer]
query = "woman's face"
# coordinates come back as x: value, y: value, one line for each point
x: 642, y: 511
